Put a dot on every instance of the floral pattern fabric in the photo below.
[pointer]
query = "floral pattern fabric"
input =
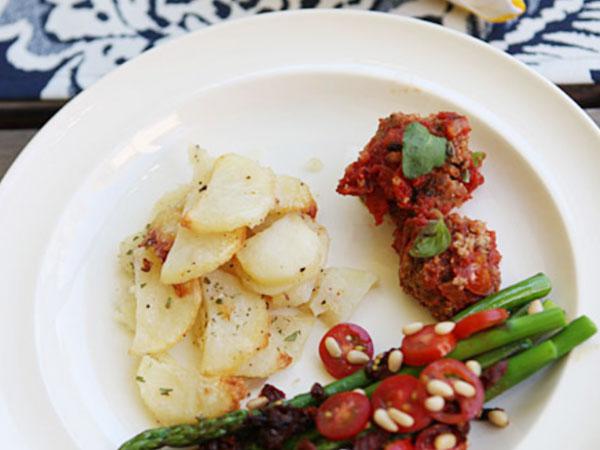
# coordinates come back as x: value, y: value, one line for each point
x: 56, y: 48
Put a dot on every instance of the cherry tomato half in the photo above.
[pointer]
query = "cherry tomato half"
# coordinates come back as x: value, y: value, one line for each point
x: 404, y: 444
x: 426, y: 346
x: 426, y: 438
x: 406, y: 393
x: 480, y: 321
x: 343, y: 415
x: 348, y: 337
x: 458, y: 409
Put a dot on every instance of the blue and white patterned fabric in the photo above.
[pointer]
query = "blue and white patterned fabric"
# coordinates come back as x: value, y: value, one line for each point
x: 56, y: 48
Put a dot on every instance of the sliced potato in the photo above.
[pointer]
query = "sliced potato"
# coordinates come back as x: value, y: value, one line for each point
x: 175, y: 394
x: 202, y: 164
x: 296, y: 296
x: 164, y: 313
x: 287, y: 335
x: 160, y: 232
x: 126, y: 249
x: 292, y: 194
x: 338, y: 293
x: 125, y: 309
x: 289, y: 251
x: 240, y: 193
x: 237, y: 324
x: 168, y: 210
x: 194, y: 255
x: 235, y: 267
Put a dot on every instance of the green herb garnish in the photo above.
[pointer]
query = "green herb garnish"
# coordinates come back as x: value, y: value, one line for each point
x: 432, y: 240
x: 140, y: 379
x: 292, y: 337
x: 165, y: 391
x: 168, y: 304
x: 478, y: 158
x: 421, y: 151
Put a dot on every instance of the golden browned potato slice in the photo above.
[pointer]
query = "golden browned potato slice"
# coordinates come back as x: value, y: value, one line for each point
x: 339, y: 290
x: 292, y: 194
x: 240, y: 193
x: 236, y: 324
x: 164, y: 313
x: 287, y: 335
x: 176, y: 394
x: 290, y: 251
x: 194, y: 255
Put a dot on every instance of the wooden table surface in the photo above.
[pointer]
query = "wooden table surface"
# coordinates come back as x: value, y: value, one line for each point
x: 13, y: 141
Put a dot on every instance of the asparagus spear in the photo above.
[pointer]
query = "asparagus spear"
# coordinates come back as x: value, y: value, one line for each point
x: 512, y: 330
x: 490, y: 358
x: 189, y: 434
x: 530, y: 361
x: 513, y: 296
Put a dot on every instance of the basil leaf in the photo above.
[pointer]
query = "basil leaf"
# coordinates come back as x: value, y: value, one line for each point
x: 432, y: 240
x: 478, y: 158
x: 421, y: 151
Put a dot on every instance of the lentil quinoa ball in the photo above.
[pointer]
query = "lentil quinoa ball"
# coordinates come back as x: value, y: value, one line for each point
x: 454, y: 279
x: 465, y: 267
x: 377, y: 176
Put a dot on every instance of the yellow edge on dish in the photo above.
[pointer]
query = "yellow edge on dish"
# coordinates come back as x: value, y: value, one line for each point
x: 519, y: 4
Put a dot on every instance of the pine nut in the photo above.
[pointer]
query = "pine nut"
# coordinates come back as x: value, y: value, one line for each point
x: 383, y: 419
x: 535, y: 307
x: 442, y: 328
x: 401, y: 418
x: 434, y: 403
x: 357, y: 357
x: 395, y: 359
x: 359, y: 391
x: 465, y: 389
x: 445, y: 441
x: 257, y: 402
x: 441, y: 388
x: 498, y: 418
x: 474, y: 367
x: 333, y: 348
x: 412, y: 328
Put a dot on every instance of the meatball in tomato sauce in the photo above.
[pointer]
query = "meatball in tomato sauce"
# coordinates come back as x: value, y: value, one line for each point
x: 415, y: 164
x: 447, y: 263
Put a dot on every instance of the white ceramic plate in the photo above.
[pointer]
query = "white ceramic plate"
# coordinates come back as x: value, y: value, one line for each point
x: 283, y: 88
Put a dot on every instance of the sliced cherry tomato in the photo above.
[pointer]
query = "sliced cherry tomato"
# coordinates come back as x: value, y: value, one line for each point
x: 426, y: 438
x: 458, y: 409
x: 480, y: 321
x: 343, y: 415
x: 476, y: 270
x: 348, y: 337
x: 406, y: 393
x: 404, y: 444
x: 426, y: 346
